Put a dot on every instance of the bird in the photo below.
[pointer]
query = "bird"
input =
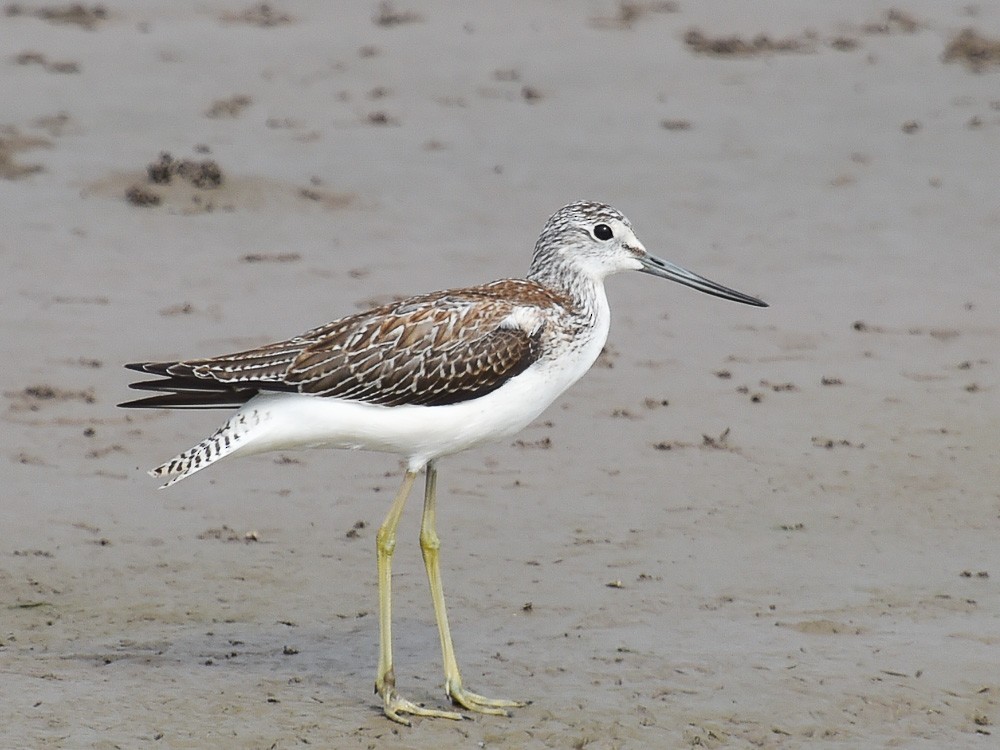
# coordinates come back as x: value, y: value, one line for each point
x: 423, y: 378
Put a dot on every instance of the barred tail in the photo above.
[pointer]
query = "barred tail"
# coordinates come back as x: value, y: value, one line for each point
x: 235, y: 434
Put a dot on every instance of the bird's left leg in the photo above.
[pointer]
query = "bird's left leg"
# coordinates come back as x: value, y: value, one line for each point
x: 429, y: 546
x: 393, y: 704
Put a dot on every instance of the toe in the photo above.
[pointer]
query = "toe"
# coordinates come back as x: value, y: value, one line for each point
x: 480, y: 703
x: 394, y: 705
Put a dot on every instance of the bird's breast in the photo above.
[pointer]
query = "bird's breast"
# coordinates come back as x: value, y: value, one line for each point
x: 572, y: 343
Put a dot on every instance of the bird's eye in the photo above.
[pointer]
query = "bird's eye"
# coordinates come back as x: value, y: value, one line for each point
x: 603, y: 232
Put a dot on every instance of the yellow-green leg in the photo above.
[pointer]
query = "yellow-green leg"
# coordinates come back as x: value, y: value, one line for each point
x: 429, y: 546
x: 385, y: 679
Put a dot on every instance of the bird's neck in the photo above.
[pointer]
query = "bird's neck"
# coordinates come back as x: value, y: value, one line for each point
x: 586, y: 295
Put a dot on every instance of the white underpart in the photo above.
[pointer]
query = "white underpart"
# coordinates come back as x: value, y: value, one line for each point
x: 283, y: 421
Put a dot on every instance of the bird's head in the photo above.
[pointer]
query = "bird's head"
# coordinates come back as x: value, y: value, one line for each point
x: 595, y: 240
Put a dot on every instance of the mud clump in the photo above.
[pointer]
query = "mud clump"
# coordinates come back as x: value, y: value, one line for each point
x: 74, y: 13
x: 137, y: 195
x: 204, y: 174
x: 191, y: 178
x: 736, y: 46
x: 389, y: 15
x: 32, y: 397
x: 629, y: 12
x: 974, y: 50
x: 231, y: 107
x: 11, y: 143
x: 262, y: 15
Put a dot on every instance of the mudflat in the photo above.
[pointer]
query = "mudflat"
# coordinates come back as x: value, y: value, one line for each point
x: 743, y: 528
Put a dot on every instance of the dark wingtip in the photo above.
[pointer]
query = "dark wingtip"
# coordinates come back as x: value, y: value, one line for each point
x: 188, y: 401
x: 152, y: 368
x: 138, y: 403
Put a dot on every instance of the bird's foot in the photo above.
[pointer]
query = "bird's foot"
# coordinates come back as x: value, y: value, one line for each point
x: 393, y: 705
x: 479, y: 703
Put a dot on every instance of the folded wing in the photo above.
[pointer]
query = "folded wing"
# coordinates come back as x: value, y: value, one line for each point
x: 431, y: 350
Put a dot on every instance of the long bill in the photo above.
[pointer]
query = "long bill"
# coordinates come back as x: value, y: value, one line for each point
x: 666, y: 270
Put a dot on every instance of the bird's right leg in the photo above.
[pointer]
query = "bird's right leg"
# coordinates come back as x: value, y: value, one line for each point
x: 385, y: 679
x: 429, y: 546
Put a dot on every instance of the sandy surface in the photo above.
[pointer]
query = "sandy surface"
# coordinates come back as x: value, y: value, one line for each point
x: 797, y: 509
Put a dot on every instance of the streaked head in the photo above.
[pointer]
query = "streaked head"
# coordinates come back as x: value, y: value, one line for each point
x: 597, y: 240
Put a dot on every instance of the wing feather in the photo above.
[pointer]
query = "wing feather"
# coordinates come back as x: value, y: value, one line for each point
x: 432, y: 350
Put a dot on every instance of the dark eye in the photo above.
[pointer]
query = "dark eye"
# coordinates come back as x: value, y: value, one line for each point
x: 603, y: 232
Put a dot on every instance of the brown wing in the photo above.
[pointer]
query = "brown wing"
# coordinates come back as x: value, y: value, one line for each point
x: 431, y: 350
